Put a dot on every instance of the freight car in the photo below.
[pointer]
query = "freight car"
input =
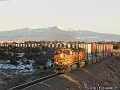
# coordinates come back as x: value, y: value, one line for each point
x: 65, y: 59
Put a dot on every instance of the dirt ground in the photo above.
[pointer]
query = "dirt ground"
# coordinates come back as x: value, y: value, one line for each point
x: 9, y: 81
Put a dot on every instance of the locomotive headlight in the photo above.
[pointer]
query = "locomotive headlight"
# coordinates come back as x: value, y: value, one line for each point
x: 56, y: 62
x: 65, y: 62
x: 61, y: 55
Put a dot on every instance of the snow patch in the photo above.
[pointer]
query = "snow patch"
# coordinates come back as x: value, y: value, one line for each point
x: 61, y: 28
x: 18, y: 68
x: 49, y: 63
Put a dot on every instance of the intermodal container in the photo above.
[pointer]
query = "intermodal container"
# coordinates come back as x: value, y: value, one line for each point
x: 96, y: 47
x: 93, y: 55
x: 23, y: 44
x: 56, y: 45
x: 59, y: 45
x: 73, y: 45
x: 69, y: 45
x: 49, y: 45
x: 100, y: 47
x: 88, y: 56
x: 18, y: 45
x: 103, y: 48
x: 93, y: 46
x: 53, y: 45
x: 62, y: 44
x: 7, y: 45
x: 100, y: 54
x: 82, y: 45
x: 65, y: 45
x: 2, y: 45
x: 103, y: 53
x: 77, y: 45
x: 45, y: 45
x: 88, y: 48
x: 30, y: 44
x: 111, y: 47
x: 107, y: 47
x: 96, y: 54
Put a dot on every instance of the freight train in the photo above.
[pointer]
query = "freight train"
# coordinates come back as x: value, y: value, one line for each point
x: 65, y: 59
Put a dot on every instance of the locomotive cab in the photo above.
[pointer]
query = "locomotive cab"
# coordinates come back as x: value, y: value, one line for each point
x: 60, y: 56
x: 61, y: 59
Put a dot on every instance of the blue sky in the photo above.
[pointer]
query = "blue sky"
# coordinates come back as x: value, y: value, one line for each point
x: 93, y: 15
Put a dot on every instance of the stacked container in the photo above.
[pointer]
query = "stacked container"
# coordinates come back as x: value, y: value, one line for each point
x: 53, y: 45
x: 77, y: 45
x: 59, y: 45
x: 93, y: 46
x: 100, y: 46
x: 65, y: 45
x: 23, y: 44
x: 111, y: 48
x: 49, y: 45
x: 96, y: 50
x: 2, y: 45
x: 33, y: 45
x: 103, y: 51
x: 73, y: 45
x: 107, y: 49
x: 69, y: 45
x: 82, y: 45
x: 88, y: 51
x: 62, y: 45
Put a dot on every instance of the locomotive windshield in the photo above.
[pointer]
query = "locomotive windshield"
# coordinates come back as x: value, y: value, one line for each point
x: 66, y: 52
x: 62, y: 51
x: 58, y: 51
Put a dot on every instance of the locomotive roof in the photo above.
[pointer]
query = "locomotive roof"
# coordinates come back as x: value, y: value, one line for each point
x: 73, y: 49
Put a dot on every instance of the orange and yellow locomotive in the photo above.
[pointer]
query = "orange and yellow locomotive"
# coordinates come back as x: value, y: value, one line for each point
x: 65, y: 59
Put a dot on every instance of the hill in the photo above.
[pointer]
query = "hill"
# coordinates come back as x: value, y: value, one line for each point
x: 57, y: 33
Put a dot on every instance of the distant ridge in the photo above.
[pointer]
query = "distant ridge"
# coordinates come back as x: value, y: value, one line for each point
x: 57, y: 33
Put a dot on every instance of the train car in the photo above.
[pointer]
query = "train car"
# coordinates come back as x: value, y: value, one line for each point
x: 65, y: 59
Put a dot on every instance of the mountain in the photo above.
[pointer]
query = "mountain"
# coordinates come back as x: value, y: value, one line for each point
x: 57, y: 33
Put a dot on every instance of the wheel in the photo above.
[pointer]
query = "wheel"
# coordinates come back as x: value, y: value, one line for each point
x: 82, y: 64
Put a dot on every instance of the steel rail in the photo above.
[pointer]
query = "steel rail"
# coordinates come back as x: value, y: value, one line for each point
x: 25, y: 85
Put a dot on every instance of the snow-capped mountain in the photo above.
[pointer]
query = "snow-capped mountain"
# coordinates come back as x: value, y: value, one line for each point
x: 58, y: 33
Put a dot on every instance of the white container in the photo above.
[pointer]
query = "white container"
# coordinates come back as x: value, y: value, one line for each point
x: 69, y: 45
x: 88, y: 48
x: 82, y: 45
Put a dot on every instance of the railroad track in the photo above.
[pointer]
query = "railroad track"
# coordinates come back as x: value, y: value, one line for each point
x: 25, y: 85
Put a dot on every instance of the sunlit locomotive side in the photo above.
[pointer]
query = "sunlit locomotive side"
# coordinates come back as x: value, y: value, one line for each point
x: 66, y: 59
